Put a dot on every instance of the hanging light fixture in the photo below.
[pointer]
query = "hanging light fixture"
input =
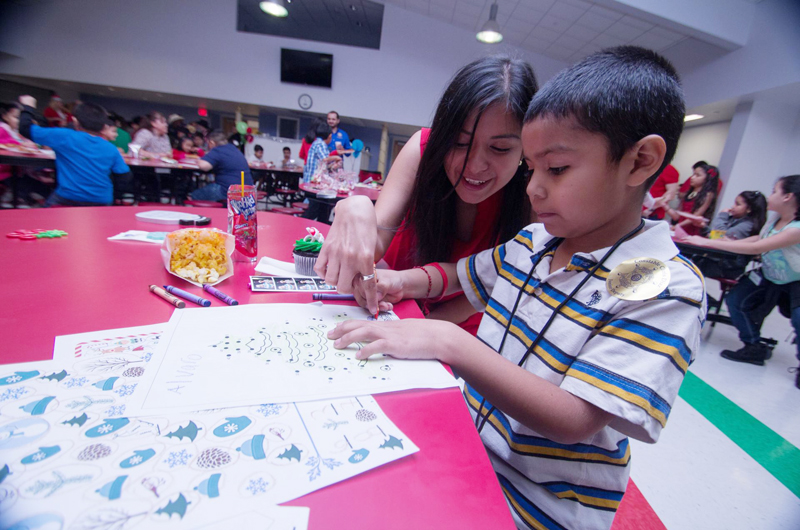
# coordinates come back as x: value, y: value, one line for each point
x: 490, y: 32
x: 275, y: 8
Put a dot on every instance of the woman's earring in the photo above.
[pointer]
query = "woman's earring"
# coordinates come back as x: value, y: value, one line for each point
x: 520, y: 161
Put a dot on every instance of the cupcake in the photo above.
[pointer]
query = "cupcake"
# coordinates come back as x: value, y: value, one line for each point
x: 306, y: 252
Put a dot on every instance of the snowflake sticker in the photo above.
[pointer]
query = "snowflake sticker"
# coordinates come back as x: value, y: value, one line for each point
x: 104, y: 429
x: 14, y: 393
x: 256, y: 486
x: 116, y: 410
x: 125, y: 390
x: 14, y: 379
x: 72, y: 382
x: 270, y: 409
x: 178, y: 458
x: 231, y: 427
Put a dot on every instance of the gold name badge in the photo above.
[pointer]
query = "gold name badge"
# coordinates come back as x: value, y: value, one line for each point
x: 638, y: 279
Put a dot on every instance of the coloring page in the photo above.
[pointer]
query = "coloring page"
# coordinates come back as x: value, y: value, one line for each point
x: 70, y: 457
x: 267, y: 353
x: 133, y: 345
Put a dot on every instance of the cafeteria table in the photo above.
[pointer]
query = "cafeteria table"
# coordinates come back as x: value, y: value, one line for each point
x: 84, y: 282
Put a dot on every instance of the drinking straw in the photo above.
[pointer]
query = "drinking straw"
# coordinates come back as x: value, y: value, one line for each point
x: 242, y: 184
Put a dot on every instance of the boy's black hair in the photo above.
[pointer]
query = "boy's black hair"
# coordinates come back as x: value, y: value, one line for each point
x: 258, y: 148
x: 323, y: 130
x: 701, y: 163
x: 5, y: 107
x: 623, y: 93
x: 91, y: 117
x: 287, y: 149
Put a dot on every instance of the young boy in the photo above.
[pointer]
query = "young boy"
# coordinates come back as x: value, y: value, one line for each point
x: 258, y: 155
x: 595, y: 315
x: 227, y: 163
x: 287, y: 161
x: 86, y: 163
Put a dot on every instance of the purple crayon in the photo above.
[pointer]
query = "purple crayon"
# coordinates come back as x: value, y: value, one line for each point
x: 187, y: 296
x: 219, y: 294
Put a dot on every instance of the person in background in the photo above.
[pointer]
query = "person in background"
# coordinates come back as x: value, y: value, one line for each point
x: 186, y: 149
x: 699, y: 200
x: 199, y: 139
x: 175, y: 123
x: 87, y: 164
x: 664, y: 190
x: 123, y: 138
x: 287, y: 162
x: 455, y: 189
x: 29, y: 185
x: 152, y: 136
x: 56, y: 113
x: 339, y: 140
x: 777, y: 282
x: 258, y: 156
x: 744, y: 219
x: 227, y: 163
x: 308, y: 139
x: 136, y: 124
x: 318, y: 153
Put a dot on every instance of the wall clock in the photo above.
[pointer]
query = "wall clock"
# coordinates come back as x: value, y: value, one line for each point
x: 305, y: 101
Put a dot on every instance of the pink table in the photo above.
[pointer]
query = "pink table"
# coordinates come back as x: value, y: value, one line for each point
x: 84, y: 282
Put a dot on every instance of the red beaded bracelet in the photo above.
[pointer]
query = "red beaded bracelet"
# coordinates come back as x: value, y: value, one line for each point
x: 444, y: 280
x: 430, y: 280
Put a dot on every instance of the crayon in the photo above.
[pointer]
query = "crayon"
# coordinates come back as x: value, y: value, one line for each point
x: 219, y: 294
x: 177, y: 302
x: 187, y: 296
x: 331, y: 296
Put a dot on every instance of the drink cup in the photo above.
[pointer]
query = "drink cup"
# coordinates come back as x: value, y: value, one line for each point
x: 243, y: 222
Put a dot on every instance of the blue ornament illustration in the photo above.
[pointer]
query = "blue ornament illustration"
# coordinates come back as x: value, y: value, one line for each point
x: 42, y: 454
x: 107, y: 427
x: 38, y: 407
x: 4, y: 472
x: 254, y: 447
x: 139, y: 457
x: 210, y: 486
x: 40, y: 520
x: 232, y: 426
x: 22, y: 432
x: 17, y: 377
x: 106, y: 384
x: 56, y: 376
x: 112, y: 490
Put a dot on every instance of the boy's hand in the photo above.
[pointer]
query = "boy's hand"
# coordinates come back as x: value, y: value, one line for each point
x: 30, y: 101
x: 414, y: 338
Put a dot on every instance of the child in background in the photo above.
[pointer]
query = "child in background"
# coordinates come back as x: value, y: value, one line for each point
x: 29, y: 186
x: 56, y: 113
x: 227, y: 163
x: 584, y: 363
x: 742, y: 220
x: 86, y: 163
x: 258, y: 155
x: 186, y: 149
x: 699, y: 200
x: 287, y: 162
x: 199, y: 139
x: 757, y: 294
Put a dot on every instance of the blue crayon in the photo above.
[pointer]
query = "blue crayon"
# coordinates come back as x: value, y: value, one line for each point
x: 333, y: 296
x: 219, y: 294
x: 187, y: 296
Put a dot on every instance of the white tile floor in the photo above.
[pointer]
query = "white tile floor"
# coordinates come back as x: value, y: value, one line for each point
x: 695, y: 477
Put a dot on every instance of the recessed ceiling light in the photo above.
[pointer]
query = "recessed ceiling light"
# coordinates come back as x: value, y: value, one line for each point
x: 274, y: 8
x: 692, y: 117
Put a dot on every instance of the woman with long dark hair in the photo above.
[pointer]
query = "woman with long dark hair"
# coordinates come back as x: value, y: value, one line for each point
x: 455, y: 189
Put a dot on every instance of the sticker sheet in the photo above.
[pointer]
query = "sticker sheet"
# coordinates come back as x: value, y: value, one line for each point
x: 285, y: 284
x: 267, y: 353
x: 71, y: 456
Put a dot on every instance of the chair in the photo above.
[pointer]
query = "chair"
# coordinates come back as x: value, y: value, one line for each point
x: 286, y: 211
x: 301, y: 205
x: 205, y: 204
x: 725, y: 286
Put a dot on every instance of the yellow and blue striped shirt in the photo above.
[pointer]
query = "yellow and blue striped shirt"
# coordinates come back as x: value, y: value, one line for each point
x: 625, y: 357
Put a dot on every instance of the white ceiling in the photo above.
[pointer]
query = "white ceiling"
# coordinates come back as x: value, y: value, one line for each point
x: 567, y: 30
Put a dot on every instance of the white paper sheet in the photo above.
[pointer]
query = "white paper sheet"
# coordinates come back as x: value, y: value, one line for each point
x: 257, y: 353
x: 274, y: 267
x: 71, y: 457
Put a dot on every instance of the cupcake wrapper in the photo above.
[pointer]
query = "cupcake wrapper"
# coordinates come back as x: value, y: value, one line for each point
x: 305, y: 264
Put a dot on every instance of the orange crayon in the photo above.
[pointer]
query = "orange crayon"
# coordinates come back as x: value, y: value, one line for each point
x: 174, y: 300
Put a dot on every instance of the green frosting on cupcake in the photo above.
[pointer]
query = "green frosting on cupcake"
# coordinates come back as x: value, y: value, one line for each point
x: 307, y: 246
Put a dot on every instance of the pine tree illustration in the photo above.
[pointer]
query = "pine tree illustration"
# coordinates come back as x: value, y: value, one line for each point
x: 56, y: 376
x: 76, y: 420
x: 178, y: 506
x: 190, y: 432
x: 105, y: 365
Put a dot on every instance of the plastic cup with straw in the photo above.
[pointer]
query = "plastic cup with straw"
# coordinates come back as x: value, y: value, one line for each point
x: 242, y: 184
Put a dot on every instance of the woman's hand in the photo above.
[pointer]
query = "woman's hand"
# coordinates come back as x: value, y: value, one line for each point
x: 697, y: 241
x: 390, y: 289
x: 349, y: 249
x: 413, y: 338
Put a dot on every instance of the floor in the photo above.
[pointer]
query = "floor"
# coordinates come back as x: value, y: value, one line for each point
x: 728, y: 457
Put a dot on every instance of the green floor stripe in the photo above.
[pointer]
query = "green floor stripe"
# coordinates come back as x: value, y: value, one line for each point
x: 765, y: 446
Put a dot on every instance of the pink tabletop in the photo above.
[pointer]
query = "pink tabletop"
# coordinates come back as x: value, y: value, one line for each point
x: 83, y: 282
x: 304, y: 186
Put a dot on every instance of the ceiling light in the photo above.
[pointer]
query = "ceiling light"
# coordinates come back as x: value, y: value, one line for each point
x: 692, y: 117
x: 274, y: 8
x: 490, y: 32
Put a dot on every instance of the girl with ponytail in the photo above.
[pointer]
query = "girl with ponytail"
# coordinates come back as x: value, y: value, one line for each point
x: 751, y: 300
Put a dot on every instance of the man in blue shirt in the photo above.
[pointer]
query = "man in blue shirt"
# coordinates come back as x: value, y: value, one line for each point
x: 338, y: 136
x: 86, y: 163
x: 227, y: 163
